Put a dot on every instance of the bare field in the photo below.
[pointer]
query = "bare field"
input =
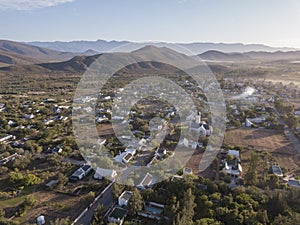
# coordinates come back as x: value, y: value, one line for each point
x: 270, y: 140
x: 274, y: 142
x: 54, y: 204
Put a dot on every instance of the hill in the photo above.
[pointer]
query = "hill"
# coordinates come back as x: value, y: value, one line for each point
x: 20, y: 53
x: 221, y: 56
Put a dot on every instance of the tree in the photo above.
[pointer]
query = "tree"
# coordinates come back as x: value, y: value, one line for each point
x: 292, y: 219
x: 29, y: 202
x: 65, y: 221
x: 188, y: 205
x: 251, y: 176
x: 136, y: 202
x: 15, y: 177
x: 62, y: 180
x: 31, y: 180
x: 116, y: 190
x: 98, y: 217
x: 262, y: 216
x: 207, y: 221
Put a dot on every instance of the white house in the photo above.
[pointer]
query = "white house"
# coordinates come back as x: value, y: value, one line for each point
x: 7, y: 138
x: 101, y: 173
x: 203, y: 128
x: 124, y: 198
x: 126, y: 156
x: 233, y: 170
x: 248, y: 123
x: 234, y: 153
x: 187, y: 171
x: 146, y: 182
x: 40, y: 220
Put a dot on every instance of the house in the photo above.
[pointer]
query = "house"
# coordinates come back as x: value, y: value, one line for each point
x: 233, y: 170
x: 54, y: 150
x: 146, y: 182
x: 124, y: 198
x: 258, y: 120
x: 160, y: 152
x: 187, y: 171
x: 203, y: 128
x: 248, y: 123
x: 234, y: 153
x: 87, y: 169
x: 102, y: 118
x: 276, y: 170
x: 40, y: 220
x: 294, y: 183
x: 80, y: 173
x: 188, y: 144
x: 101, y: 173
x: 7, y: 138
x: 152, y: 210
x: 126, y: 156
x: 297, y: 113
x: 29, y: 116
x: 8, y: 159
x: 51, y: 183
x: 117, y: 215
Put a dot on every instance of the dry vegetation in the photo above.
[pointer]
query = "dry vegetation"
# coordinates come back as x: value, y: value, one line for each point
x: 273, y: 142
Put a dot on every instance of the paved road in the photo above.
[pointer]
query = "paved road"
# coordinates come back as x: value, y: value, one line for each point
x: 106, y: 199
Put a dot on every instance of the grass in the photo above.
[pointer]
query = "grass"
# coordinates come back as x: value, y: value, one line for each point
x: 12, y: 202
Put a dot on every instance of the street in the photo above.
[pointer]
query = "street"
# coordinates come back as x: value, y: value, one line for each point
x: 106, y: 199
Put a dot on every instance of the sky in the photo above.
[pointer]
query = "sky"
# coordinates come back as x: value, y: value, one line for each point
x: 270, y: 22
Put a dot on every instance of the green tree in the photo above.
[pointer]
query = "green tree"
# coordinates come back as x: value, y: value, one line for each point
x: 98, y: 217
x: 15, y: 177
x: 64, y: 221
x: 251, y: 175
x: 207, y: 221
x: 136, y: 202
x: 291, y: 219
x: 117, y: 190
x: 187, y: 210
x: 62, y: 180
x: 31, y: 180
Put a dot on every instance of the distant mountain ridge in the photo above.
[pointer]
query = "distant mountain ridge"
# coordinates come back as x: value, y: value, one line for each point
x: 213, y: 55
x: 102, y: 46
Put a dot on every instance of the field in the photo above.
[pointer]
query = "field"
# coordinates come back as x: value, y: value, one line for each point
x: 273, y: 142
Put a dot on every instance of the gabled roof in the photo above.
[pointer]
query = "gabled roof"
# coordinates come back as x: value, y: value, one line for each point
x: 126, y: 195
x: 147, y: 180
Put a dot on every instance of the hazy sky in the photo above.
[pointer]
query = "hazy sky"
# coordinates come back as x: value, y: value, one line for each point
x: 272, y: 22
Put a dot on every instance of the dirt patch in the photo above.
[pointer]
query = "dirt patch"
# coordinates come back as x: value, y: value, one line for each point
x: 54, y: 204
x: 271, y: 141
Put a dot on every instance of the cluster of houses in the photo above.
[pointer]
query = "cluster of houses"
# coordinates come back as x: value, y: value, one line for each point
x: 151, y: 210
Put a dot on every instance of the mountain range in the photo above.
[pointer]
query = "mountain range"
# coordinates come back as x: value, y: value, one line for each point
x: 16, y: 53
x: 101, y: 46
